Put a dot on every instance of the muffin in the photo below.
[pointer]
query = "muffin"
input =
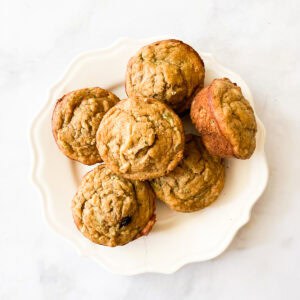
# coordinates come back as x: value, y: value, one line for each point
x: 225, y: 120
x: 76, y: 118
x: 170, y: 71
x: 140, y: 139
x: 111, y: 210
x: 195, y: 183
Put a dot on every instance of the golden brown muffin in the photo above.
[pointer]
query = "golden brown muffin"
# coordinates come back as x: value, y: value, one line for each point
x: 76, y: 118
x: 140, y: 139
x: 225, y: 120
x: 169, y: 70
x: 111, y: 210
x: 195, y: 183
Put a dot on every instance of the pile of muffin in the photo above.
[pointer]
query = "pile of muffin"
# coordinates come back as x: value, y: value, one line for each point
x: 141, y: 143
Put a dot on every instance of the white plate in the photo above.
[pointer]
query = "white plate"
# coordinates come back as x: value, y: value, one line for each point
x: 177, y: 238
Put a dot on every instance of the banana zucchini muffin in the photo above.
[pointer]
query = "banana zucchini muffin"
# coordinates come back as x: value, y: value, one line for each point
x: 195, y: 183
x: 76, y: 118
x: 225, y: 120
x: 140, y: 139
x: 169, y: 70
x: 111, y: 210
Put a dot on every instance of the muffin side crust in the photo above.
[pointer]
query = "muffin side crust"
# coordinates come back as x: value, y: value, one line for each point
x: 225, y: 120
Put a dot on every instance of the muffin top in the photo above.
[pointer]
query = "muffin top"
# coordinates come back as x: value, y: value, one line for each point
x: 111, y: 210
x: 168, y: 70
x: 140, y: 139
x: 235, y: 116
x: 76, y: 118
x: 225, y: 120
x: 195, y: 182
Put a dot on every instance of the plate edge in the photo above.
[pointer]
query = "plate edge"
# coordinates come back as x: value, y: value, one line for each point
x: 39, y: 185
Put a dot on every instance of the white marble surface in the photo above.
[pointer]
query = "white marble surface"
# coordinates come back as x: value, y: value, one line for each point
x: 260, y: 40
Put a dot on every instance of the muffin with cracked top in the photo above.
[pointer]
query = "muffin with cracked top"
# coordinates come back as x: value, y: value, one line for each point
x: 76, y: 118
x: 169, y: 70
x: 111, y: 210
x: 195, y: 183
x: 140, y: 139
x: 225, y: 120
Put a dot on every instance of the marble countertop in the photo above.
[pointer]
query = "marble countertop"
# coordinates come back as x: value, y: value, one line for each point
x: 260, y: 40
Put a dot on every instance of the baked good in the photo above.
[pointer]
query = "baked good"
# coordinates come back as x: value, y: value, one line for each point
x: 225, y: 120
x: 168, y: 70
x: 140, y: 138
x: 111, y: 210
x: 76, y: 118
x: 195, y: 183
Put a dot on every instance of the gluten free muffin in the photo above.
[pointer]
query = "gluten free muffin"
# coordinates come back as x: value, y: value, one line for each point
x: 195, y: 183
x: 141, y: 139
x: 225, y: 120
x: 169, y: 70
x: 111, y: 210
x: 76, y: 118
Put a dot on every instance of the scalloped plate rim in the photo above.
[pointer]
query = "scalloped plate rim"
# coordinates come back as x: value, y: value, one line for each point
x: 170, y: 267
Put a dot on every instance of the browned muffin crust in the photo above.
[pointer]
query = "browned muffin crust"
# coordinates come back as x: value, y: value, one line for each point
x: 141, y: 139
x: 76, y: 118
x: 111, y: 210
x: 225, y: 120
x: 168, y: 70
x: 195, y: 183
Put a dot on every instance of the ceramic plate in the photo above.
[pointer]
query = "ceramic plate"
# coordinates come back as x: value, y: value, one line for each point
x: 177, y: 238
